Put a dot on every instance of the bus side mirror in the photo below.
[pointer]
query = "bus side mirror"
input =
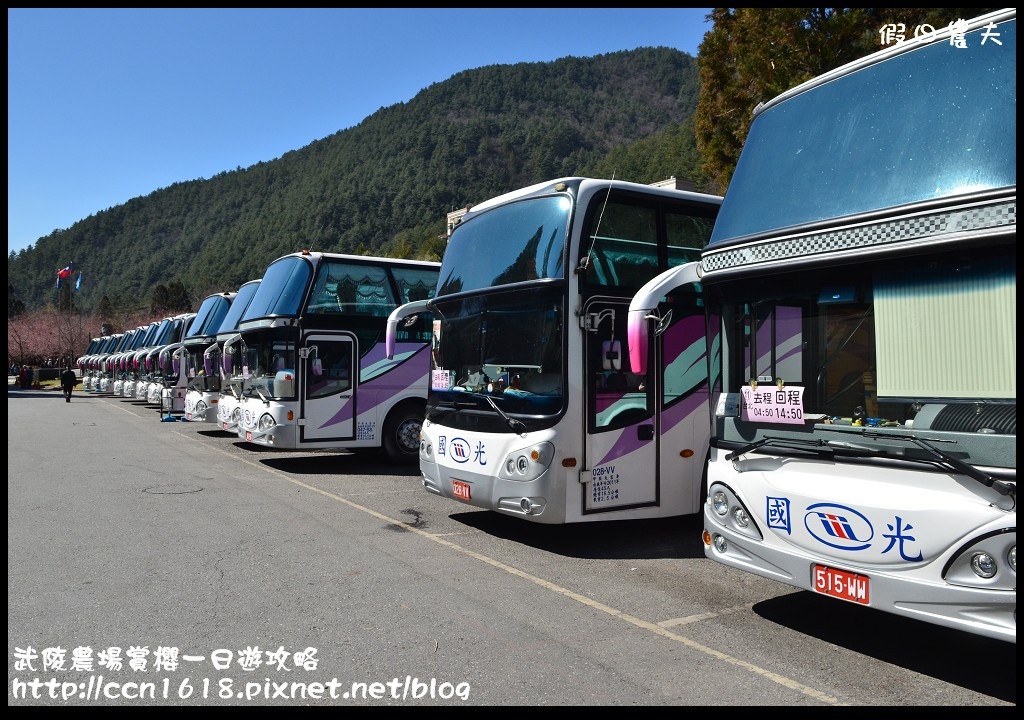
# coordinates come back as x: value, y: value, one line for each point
x: 638, y: 339
x: 318, y: 368
x: 207, y: 364
x: 226, y: 363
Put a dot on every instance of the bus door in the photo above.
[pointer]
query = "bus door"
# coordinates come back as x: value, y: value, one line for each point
x: 621, y: 468
x: 328, y: 393
x: 680, y: 364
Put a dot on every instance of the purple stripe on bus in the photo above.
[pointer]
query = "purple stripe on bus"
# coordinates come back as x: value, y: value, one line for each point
x: 404, y: 376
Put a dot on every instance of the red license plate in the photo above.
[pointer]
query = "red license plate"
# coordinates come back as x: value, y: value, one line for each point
x: 460, y: 490
x: 225, y: 426
x: 841, y: 584
x: 188, y: 416
x: 248, y: 436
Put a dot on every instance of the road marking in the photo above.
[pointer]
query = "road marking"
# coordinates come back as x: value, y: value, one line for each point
x: 654, y: 628
x: 676, y: 622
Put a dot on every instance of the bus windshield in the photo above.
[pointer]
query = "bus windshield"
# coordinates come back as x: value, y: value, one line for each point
x: 281, y: 291
x: 238, y: 306
x: 506, y: 346
x: 268, y: 358
x: 209, y: 316
x: 904, y: 343
x: 872, y: 139
x: 517, y: 242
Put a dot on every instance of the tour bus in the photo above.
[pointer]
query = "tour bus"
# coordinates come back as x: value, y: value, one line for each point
x: 101, y: 381
x: 115, y: 379
x: 312, y: 352
x: 180, y: 325
x: 82, y: 359
x: 203, y: 364
x: 532, y: 409
x: 229, y: 411
x: 86, y: 361
x: 174, y: 359
x: 129, y: 361
x: 166, y: 331
x: 120, y: 360
x: 862, y: 315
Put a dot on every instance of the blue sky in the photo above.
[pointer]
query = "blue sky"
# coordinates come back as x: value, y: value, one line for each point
x: 107, y: 105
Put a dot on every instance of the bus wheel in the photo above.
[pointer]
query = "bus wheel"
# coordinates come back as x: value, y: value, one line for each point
x: 401, y: 439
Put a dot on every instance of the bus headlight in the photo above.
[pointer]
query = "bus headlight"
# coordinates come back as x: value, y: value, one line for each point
x: 528, y: 463
x: 236, y: 415
x: 266, y: 422
x: 731, y: 513
x: 720, y: 503
x: 983, y: 565
x: 976, y: 563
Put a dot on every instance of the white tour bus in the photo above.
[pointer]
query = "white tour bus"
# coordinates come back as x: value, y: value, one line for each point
x: 203, y: 392
x: 532, y: 409
x: 314, y: 373
x: 181, y: 363
x: 862, y: 316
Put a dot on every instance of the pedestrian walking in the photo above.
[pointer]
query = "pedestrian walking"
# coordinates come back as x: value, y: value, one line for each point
x: 68, y: 380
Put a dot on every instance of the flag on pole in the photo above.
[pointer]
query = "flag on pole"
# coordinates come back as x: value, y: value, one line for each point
x: 78, y: 284
x: 63, y: 273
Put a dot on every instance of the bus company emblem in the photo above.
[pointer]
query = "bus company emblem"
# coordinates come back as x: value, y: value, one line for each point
x: 839, y: 526
x: 248, y: 417
x: 458, y: 450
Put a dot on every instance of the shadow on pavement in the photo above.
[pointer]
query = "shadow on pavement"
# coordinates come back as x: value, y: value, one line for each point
x: 675, y: 537
x: 336, y: 463
x: 977, y: 663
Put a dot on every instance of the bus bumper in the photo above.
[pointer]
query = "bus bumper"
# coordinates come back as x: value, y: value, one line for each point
x: 981, y: 611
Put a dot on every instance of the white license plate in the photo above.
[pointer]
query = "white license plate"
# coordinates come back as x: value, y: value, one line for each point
x: 841, y: 584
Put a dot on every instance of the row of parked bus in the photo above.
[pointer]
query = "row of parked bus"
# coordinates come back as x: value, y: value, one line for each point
x: 823, y: 362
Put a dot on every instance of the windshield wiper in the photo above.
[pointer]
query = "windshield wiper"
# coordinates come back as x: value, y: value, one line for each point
x: 1000, y: 486
x: 937, y: 455
x: 262, y: 396
x: 439, y: 409
x: 512, y: 422
x: 820, y: 446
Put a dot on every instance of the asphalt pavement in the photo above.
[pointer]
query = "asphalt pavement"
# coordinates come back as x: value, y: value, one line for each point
x: 168, y: 563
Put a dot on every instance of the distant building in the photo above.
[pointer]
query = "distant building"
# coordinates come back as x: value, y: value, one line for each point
x: 454, y: 217
x: 675, y: 183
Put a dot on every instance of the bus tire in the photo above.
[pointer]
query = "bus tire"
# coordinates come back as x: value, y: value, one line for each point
x: 401, y: 441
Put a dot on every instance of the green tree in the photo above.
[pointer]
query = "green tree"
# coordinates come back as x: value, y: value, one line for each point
x: 161, y: 300
x: 15, y: 306
x: 105, y: 309
x: 177, y: 297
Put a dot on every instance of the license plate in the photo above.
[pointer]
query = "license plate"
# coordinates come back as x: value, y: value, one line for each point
x: 188, y: 416
x: 225, y: 426
x: 248, y: 436
x: 841, y: 584
x: 460, y: 490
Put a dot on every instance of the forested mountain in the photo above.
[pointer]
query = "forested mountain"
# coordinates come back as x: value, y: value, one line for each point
x: 384, y: 186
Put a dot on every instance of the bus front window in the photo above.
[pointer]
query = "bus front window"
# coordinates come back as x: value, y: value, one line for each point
x: 505, y: 346
x: 888, y: 344
x: 269, y: 357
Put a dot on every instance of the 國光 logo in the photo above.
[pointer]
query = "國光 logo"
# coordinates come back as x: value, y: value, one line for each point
x: 458, y: 450
x: 839, y: 526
